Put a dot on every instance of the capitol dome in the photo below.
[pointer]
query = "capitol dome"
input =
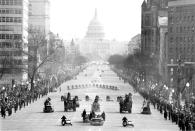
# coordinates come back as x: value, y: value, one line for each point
x: 95, y: 28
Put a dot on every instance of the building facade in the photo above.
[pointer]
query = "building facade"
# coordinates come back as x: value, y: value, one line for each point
x: 153, y: 35
x: 151, y: 10
x: 181, y: 42
x: 39, y: 15
x: 39, y: 21
x: 13, y: 40
x: 71, y: 52
x: 163, y: 41
x: 72, y: 49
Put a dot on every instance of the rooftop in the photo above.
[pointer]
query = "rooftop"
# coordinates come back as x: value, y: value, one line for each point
x: 181, y: 3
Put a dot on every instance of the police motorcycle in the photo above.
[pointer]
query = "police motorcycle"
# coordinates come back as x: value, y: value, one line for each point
x: 65, y: 121
x: 47, y: 106
x: 126, y: 122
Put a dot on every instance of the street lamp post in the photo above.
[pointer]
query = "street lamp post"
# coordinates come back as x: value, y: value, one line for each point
x: 172, y: 95
x: 179, y: 75
x: 165, y: 91
x: 188, y: 93
x: 3, y: 92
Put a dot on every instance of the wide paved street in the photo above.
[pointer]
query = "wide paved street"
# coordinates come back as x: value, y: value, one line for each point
x: 32, y: 117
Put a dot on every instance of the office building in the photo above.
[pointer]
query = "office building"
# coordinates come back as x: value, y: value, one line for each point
x: 13, y: 41
x: 181, y: 42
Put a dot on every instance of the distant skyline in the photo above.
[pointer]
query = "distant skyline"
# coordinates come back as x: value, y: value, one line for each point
x: 121, y: 18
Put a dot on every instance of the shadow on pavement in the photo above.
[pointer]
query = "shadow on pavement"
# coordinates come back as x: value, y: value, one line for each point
x: 80, y: 122
x: 61, y: 111
x: 41, y: 112
x: 112, y: 112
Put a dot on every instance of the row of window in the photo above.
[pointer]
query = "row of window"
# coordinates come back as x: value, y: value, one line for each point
x: 11, y: 62
x: 10, y: 28
x: 184, y: 50
x: 148, y: 33
x: 10, y: 11
x: 148, y: 20
x: 183, y: 18
x: 11, y: 19
x: 187, y: 59
x: 10, y: 45
x: 11, y: 2
x: 12, y: 71
x: 182, y: 29
x: 181, y: 39
x: 10, y: 53
x: 11, y: 36
x: 186, y: 9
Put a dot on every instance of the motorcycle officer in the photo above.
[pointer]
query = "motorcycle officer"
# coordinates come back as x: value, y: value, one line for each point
x: 63, y: 120
x: 125, y: 119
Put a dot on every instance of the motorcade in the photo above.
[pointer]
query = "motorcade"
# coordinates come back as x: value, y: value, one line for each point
x: 126, y: 104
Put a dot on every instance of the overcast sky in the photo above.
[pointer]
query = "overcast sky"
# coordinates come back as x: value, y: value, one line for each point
x: 121, y: 18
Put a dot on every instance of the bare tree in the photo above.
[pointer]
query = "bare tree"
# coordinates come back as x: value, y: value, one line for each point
x: 38, y: 54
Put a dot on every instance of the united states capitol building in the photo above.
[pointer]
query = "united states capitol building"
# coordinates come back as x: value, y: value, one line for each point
x: 95, y: 46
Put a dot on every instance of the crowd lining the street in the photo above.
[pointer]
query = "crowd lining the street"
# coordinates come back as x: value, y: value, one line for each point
x: 16, y: 98
x: 184, y: 116
x: 19, y: 96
